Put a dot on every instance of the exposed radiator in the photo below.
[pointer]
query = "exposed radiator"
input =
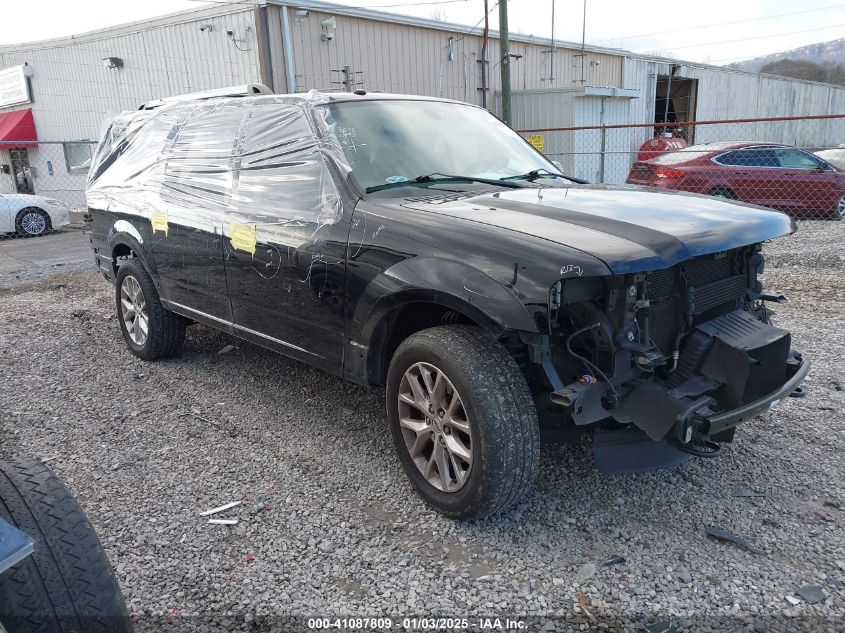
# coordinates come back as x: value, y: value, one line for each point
x: 702, y: 288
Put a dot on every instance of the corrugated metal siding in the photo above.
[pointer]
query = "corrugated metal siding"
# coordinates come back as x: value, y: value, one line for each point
x: 578, y: 151
x: 73, y: 92
x: 730, y: 94
x: 415, y: 60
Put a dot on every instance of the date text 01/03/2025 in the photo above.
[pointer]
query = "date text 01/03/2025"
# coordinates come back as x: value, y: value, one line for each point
x: 419, y: 624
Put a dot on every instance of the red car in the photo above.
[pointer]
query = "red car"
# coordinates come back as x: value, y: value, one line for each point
x: 776, y: 176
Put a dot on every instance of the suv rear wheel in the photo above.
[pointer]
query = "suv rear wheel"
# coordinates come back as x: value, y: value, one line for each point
x: 463, y: 421
x: 150, y: 331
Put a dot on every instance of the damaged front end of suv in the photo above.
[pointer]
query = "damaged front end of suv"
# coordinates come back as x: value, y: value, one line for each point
x: 666, y: 363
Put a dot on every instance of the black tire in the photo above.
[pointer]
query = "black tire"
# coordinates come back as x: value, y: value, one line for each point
x: 722, y: 192
x: 505, y: 435
x: 67, y: 584
x: 19, y: 226
x: 166, y: 329
x: 839, y: 210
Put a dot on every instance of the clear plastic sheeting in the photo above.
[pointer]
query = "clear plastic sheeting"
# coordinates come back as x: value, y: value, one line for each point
x: 284, y: 188
x: 253, y: 170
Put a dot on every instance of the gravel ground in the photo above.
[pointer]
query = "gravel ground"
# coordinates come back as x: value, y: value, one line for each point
x: 330, y: 526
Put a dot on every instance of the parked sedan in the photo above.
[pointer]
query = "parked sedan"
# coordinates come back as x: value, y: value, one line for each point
x: 29, y: 215
x: 776, y: 176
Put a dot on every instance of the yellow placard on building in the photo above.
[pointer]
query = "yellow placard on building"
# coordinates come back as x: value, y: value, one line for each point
x: 537, y: 140
x: 243, y: 237
x: 159, y: 221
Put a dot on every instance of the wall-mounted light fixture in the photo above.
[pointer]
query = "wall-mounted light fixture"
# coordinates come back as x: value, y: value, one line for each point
x: 302, y: 13
x: 328, y: 25
x: 112, y: 62
x: 206, y: 27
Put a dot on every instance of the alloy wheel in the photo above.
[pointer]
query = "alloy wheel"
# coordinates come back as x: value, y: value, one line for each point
x: 435, y: 427
x: 33, y: 223
x: 840, y: 208
x: 133, y: 310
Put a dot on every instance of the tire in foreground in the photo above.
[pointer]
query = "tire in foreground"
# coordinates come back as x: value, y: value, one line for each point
x: 67, y: 583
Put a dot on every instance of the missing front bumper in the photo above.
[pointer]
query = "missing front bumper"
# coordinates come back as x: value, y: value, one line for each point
x: 715, y: 424
x: 744, y: 367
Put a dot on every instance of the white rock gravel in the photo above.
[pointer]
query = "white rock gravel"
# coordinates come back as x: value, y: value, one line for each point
x: 330, y: 526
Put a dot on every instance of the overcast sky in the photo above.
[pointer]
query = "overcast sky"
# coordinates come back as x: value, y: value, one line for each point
x: 714, y: 31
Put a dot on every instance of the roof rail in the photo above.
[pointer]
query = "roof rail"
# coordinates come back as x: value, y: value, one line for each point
x: 246, y: 90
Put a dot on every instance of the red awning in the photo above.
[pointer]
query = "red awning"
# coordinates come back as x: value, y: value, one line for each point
x: 17, y: 129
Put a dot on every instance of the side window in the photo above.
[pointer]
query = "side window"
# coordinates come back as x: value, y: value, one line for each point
x: 283, y: 188
x: 730, y: 158
x: 750, y: 157
x: 128, y: 160
x: 199, y: 160
x: 78, y: 157
x: 796, y: 159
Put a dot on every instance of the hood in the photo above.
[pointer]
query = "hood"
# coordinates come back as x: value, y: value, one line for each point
x: 630, y: 229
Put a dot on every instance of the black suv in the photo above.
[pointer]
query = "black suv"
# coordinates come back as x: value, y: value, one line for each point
x: 423, y: 245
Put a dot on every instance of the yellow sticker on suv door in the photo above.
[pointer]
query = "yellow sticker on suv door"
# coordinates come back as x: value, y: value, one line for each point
x: 159, y: 221
x: 243, y: 237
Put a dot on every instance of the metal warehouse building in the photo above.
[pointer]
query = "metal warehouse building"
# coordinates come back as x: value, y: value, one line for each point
x: 58, y: 92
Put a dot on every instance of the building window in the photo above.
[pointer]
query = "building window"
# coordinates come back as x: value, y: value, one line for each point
x: 78, y: 157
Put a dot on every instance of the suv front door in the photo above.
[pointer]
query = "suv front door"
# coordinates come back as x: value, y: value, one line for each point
x: 285, y: 242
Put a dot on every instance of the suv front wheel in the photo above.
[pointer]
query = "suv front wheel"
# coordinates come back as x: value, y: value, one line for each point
x: 463, y: 421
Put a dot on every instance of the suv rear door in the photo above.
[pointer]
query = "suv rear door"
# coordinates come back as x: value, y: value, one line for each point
x: 187, y: 240
x: 285, y: 241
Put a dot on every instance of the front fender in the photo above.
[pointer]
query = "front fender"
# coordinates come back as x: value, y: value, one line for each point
x: 473, y: 290
x: 494, y: 305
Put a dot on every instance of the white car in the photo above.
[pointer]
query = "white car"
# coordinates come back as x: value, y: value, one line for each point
x: 31, y: 215
x: 834, y: 156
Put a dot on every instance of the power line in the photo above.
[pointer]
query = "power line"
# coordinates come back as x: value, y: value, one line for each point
x: 746, y: 39
x: 410, y: 4
x: 348, y: 6
x: 475, y: 26
x: 708, y: 26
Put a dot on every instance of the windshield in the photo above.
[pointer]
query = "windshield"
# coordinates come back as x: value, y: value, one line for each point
x: 394, y: 141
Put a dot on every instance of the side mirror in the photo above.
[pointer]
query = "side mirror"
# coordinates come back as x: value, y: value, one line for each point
x: 559, y: 166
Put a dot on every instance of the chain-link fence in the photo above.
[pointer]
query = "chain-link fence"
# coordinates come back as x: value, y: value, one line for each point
x: 42, y: 186
x: 793, y: 164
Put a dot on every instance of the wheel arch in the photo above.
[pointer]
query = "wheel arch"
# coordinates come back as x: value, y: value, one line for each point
x: 405, y: 313
x: 125, y: 240
x: 718, y: 189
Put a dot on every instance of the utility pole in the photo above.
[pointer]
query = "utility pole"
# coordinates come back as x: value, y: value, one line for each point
x: 483, y: 60
x: 583, y: 40
x: 505, y: 61
x: 552, y: 53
